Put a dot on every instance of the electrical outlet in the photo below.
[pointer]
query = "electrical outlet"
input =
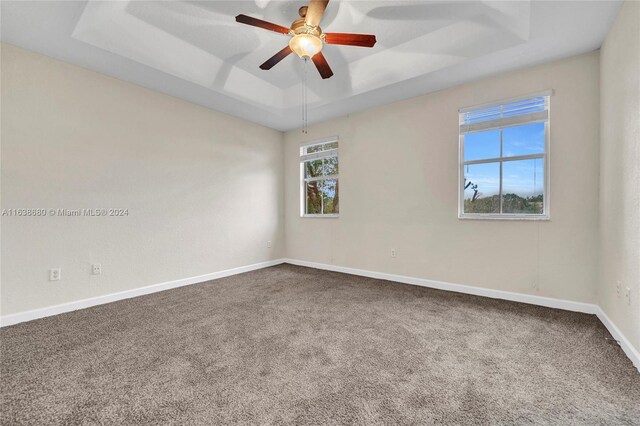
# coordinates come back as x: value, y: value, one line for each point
x: 618, y: 286
x: 96, y: 269
x: 627, y: 295
x: 268, y: 244
x: 55, y: 274
x: 394, y: 253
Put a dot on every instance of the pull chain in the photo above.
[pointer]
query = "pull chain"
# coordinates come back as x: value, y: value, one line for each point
x: 304, y: 97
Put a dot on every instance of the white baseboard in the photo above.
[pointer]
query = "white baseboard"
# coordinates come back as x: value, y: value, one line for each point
x: 624, y: 343
x: 549, y: 302
x: 11, y: 319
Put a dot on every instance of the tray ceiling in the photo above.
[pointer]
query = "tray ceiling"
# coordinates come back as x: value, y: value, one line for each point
x: 196, y: 51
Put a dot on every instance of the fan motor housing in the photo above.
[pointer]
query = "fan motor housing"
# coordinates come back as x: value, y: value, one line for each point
x: 299, y: 26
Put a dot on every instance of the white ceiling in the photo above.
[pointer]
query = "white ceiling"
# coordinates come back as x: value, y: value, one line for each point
x: 196, y: 51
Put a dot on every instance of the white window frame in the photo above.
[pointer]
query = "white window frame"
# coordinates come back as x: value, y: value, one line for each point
x: 502, y: 123
x: 303, y: 180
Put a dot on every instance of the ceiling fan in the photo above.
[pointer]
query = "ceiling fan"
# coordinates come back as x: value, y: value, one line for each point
x: 307, y: 37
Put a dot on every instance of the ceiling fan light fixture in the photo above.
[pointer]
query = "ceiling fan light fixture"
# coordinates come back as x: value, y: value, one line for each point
x: 305, y: 45
x: 307, y: 38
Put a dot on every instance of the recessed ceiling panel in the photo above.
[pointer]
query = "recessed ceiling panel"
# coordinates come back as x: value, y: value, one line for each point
x: 196, y: 50
x: 163, y: 42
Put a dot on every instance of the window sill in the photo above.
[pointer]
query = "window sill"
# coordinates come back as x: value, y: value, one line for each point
x: 504, y: 217
x: 320, y: 216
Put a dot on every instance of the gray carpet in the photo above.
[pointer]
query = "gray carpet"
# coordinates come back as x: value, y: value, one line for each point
x: 301, y: 346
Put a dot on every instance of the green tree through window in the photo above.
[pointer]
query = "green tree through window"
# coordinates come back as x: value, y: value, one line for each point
x: 319, y: 169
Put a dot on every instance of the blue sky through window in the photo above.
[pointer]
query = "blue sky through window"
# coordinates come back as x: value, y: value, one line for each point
x: 522, y: 177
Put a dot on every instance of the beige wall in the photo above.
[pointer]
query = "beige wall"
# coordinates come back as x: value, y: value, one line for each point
x: 620, y: 172
x: 203, y: 189
x: 398, y: 189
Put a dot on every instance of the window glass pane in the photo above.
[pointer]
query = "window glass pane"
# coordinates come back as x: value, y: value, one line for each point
x: 485, y: 114
x: 312, y: 168
x: 523, y: 186
x: 331, y: 166
x: 314, y: 197
x: 330, y: 196
x: 320, y: 183
x: 525, y: 106
x: 510, y: 109
x: 480, y: 145
x: 482, y: 188
x: 313, y: 148
x: 523, y: 140
x: 330, y: 145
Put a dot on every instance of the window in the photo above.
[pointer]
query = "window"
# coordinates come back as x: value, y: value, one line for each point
x: 504, y: 160
x: 319, y: 178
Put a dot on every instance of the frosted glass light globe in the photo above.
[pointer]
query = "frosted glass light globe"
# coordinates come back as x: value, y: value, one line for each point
x: 305, y: 45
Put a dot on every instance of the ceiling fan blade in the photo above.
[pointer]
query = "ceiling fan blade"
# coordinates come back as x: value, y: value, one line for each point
x: 321, y: 63
x: 362, y: 40
x: 315, y: 10
x: 244, y: 19
x: 276, y: 58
